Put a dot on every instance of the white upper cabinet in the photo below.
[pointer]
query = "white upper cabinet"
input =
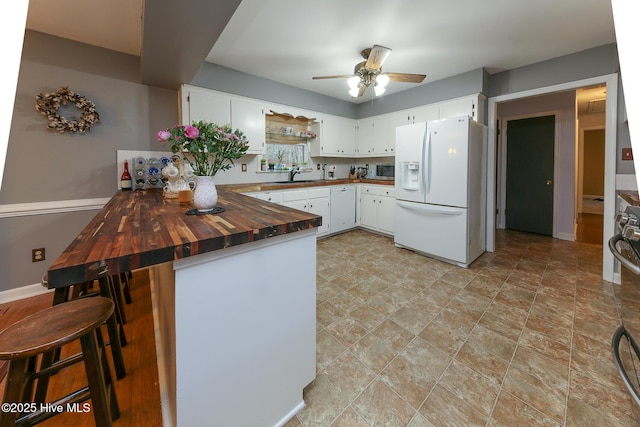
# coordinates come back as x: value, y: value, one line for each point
x: 201, y: 104
x: 337, y: 137
x: 373, y: 138
x: 248, y: 116
x: 425, y: 114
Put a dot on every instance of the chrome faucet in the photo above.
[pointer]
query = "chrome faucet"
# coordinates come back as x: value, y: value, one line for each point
x: 294, y: 170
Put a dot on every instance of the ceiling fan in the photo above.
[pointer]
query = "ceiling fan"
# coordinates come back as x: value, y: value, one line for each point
x: 369, y: 73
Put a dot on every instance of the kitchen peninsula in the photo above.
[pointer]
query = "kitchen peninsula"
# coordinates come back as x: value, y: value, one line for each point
x: 233, y: 296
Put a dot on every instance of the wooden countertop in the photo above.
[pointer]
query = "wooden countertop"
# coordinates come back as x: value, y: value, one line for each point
x: 140, y: 228
x: 271, y: 186
x: 630, y: 197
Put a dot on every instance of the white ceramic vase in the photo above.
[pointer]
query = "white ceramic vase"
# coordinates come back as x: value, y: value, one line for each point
x: 205, y: 195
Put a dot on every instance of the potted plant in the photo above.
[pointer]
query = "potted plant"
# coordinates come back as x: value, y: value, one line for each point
x: 263, y: 164
x: 271, y: 165
x: 208, y: 148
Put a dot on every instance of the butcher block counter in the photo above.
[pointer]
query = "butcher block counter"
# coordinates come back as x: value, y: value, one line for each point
x: 234, y: 299
x: 138, y: 229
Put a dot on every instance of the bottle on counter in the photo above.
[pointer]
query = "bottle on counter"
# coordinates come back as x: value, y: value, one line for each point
x: 125, y: 179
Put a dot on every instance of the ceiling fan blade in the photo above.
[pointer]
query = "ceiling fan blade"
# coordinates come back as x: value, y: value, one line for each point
x: 377, y: 56
x: 406, y: 78
x: 346, y: 76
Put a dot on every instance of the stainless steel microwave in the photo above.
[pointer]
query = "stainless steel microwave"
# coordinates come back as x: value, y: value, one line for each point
x: 385, y: 171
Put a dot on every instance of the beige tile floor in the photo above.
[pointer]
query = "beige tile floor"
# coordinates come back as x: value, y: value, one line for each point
x: 521, y: 338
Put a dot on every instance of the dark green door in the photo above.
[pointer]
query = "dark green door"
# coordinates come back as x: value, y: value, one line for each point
x: 530, y: 151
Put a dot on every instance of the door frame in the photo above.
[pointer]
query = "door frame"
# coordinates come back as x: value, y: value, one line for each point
x: 611, y: 82
x: 502, y: 165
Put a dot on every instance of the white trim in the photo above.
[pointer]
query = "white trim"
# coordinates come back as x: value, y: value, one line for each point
x: 611, y: 81
x: 58, y: 206
x: 23, y: 292
x: 565, y: 236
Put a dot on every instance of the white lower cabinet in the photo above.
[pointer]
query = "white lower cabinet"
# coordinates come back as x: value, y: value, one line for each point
x: 320, y: 204
x: 316, y: 201
x: 268, y: 196
x: 376, y: 207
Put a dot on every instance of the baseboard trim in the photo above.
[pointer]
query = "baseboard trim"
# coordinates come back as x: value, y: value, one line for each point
x: 23, y: 292
x: 565, y: 236
x: 58, y: 206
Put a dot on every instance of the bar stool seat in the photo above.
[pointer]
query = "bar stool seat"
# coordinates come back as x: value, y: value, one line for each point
x: 46, y: 331
x: 115, y: 326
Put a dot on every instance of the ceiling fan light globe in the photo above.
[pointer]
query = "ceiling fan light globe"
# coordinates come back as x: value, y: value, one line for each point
x: 382, y: 80
x: 354, y: 92
x: 353, y: 82
x: 379, y: 90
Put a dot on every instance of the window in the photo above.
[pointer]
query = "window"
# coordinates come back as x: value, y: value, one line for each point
x: 286, y: 154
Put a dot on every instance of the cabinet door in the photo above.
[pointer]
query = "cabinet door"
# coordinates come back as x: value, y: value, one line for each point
x: 386, y: 206
x: 373, y: 137
x: 382, y: 145
x: 368, y: 210
x: 462, y: 107
x: 366, y: 135
x: 269, y: 196
x: 321, y: 206
x: 425, y: 114
x: 207, y: 106
x: 301, y: 205
x: 395, y: 120
x: 249, y: 118
x: 338, y: 136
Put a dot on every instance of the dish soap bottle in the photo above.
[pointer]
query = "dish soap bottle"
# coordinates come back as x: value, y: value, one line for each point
x: 125, y: 179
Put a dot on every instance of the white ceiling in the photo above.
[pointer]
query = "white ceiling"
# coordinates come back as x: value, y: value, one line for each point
x: 292, y: 41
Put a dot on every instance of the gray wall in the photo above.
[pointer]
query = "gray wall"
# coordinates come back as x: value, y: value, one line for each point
x: 46, y: 166
x: 43, y: 165
x: 224, y: 79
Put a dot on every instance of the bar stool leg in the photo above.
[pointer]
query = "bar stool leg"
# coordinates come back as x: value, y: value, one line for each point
x: 114, y: 333
x: 97, y: 382
x: 17, y: 375
x: 124, y: 278
x: 116, y: 290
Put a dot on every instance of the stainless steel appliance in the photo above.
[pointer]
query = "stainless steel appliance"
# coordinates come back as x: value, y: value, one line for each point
x: 625, y: 247
x: 385, y: 172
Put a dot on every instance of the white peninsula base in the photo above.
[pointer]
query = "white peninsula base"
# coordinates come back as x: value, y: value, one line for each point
x: 236, y: 332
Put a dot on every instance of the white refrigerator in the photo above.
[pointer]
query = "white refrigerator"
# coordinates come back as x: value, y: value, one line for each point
x: 441, y: 189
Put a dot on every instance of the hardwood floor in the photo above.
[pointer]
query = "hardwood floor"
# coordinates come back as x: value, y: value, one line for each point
x: 138, y: 393
x: 589, y: 228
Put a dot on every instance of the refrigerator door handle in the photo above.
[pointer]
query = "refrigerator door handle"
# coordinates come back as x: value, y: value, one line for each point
x: 422, y: 162
x: 430, y: 209
x: 427, y: 162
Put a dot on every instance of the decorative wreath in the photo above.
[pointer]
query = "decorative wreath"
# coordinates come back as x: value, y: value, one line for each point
x: 49, y: 103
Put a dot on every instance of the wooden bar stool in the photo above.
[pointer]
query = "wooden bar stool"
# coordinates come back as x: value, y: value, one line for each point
x: 44, y: 332
x: 115, y: 328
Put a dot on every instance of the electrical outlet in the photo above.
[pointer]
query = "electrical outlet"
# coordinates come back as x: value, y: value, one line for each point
x: 37, y: 255
x: 627, y: 154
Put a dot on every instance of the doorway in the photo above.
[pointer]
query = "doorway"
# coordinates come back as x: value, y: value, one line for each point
x: 530, y: 149
x: 611, y: 84
x: 590, y: 210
